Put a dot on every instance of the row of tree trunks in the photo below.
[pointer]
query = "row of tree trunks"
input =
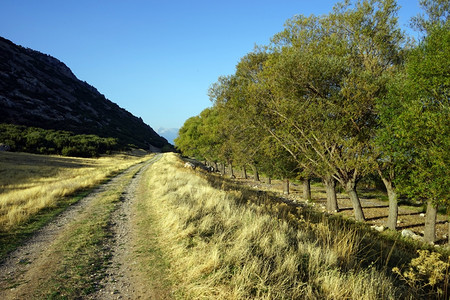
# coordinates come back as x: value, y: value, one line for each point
x: 222, y: 168
x: 332, y: 204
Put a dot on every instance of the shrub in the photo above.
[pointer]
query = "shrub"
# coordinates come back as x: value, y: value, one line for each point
x: 42, y: 141
x: 427, y: 272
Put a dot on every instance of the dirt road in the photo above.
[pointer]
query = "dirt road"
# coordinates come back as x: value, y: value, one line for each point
x: 118, y: 281
x: 22, y: 272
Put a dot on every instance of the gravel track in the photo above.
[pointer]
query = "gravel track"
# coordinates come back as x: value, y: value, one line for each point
x: 118, y: 281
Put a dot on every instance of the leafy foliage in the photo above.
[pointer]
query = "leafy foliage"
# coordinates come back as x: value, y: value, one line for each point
x: 41, y: 141
x: 416, y: 120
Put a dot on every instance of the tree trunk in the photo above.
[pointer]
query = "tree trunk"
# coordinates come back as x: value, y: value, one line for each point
x: 330, y: 188
x: 230, y: 165
x: 244, y: 172
x: 306, y: 189
x: 286, y: 187
x: 222, y: 169
x: 255, y: 173
x: 269, y: 180
x: 216, y: 167
x: 393, y: 204
x: 430, y: 223
x: 350, y: 188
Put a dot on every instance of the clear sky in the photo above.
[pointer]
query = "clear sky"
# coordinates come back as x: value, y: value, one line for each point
x: 156, y: 59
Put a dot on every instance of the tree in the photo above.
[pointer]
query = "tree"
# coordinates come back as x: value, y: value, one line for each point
x: 295, y: 114
x: 230, y: 95
x: 388, y: 161
x: 323, y: 78
x: 199, y: 137
x: 188, y: 138
x: 418, y: 117
x: 279, y: 163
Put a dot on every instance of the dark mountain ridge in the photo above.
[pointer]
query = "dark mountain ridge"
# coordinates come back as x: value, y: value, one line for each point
x: 38, y: 90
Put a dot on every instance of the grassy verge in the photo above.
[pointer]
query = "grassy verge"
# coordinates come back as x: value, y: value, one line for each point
x: 73, y: 263
x: 152, y: 263
x: 236, y: 245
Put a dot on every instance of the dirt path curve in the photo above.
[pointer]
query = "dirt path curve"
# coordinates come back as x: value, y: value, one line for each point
x: 15, y: 269
x: 118, y: 282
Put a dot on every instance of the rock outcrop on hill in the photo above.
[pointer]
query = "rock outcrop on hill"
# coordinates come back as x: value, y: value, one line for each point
x: 39, y: 90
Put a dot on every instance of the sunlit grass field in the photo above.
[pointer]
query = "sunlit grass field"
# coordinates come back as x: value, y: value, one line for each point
x: 30, y: 183
x: 221, y: 245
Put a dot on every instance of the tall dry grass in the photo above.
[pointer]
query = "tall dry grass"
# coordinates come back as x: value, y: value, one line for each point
x: 223, y: 248
x: 30, y: 183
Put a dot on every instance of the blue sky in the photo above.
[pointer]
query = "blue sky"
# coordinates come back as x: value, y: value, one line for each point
x: 156, y: 59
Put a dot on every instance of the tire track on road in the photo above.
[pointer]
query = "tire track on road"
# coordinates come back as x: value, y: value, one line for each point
x: 118, y: 280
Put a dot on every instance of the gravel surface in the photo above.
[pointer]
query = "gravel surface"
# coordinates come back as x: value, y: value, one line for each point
x: 118, y: 282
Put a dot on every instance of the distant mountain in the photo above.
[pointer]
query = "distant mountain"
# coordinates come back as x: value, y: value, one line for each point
x: 169, y: 133
x: 39, y: 90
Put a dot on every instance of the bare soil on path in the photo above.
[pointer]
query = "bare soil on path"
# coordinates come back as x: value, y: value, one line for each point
x: 120, y: 280
x: 21, y: 271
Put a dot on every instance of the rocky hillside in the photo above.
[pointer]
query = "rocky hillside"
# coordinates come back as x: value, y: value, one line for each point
x: 39, y: 90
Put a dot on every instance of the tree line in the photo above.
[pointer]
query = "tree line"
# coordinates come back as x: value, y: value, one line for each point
x: 44, y: 141
x: 340, y: 97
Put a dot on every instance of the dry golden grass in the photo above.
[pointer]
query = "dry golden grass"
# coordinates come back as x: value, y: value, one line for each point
x: 30, y: 183
x: 220, y: 249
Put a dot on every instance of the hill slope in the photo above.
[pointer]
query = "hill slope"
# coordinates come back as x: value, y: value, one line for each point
x: 39, y: 90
